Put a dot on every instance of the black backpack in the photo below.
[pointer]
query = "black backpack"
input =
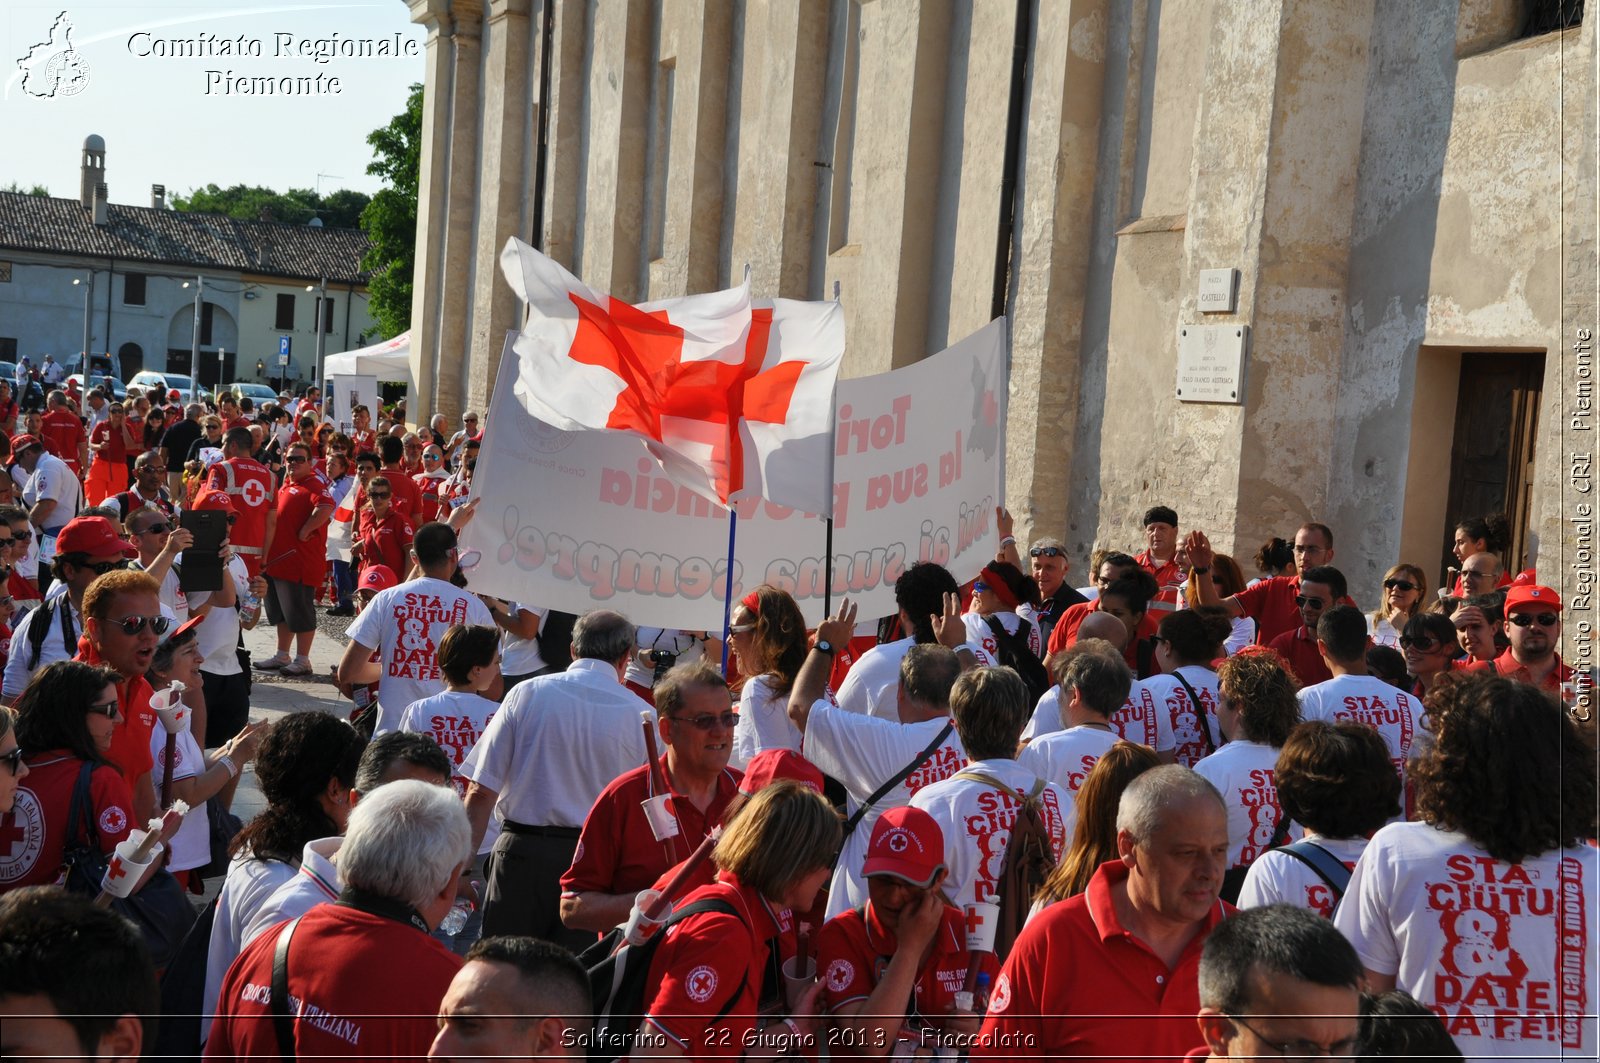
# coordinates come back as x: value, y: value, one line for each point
x: 618, y: 976
x: 1015, y: 654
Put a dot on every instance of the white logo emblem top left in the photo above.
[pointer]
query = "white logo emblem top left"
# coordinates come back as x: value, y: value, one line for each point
x: 53, y: 67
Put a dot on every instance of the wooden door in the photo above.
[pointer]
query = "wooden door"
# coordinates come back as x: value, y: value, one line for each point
x: 1491, y: 459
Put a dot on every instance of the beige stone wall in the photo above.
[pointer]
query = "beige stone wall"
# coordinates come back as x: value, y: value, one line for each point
x: 1388, y: 179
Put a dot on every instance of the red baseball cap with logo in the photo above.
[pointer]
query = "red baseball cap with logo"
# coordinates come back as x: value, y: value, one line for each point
x: 94, y: 536
x: 23, y: 441
x: 211, y: 498
x: 771, y: 765
x: 1525, y: 596
x: 377, y: 578
x: 906, y: 844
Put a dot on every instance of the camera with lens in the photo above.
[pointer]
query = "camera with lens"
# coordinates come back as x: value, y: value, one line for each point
x: 662, y: 660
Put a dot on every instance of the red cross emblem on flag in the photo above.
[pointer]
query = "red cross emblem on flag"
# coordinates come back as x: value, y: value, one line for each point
x: 716, y: 386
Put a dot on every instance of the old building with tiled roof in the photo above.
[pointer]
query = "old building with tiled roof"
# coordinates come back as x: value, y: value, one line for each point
x: 121, y: 279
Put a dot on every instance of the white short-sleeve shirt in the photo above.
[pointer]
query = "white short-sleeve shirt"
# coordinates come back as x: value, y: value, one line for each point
x: 763, y: 722
x: 405, y: 624
x: 1243, y: 772
x: 1366, y: 699
x: 1278, y: 878
x: 1066, y: 757
x: 1178, y: 716
x: 1505, y: 953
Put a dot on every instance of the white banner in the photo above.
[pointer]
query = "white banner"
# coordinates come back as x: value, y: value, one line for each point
x: 581, y: 520
x: 345, y: 393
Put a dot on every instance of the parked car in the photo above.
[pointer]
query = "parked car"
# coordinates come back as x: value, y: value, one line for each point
x: 35, y: 395
x: 167, y: 383
x: 257, y: 393
x: 119, y: 390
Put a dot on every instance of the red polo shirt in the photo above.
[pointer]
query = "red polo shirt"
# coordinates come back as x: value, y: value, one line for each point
x: 1271, y: 604
x: 1078, y: 984
x: 35, y: 833
x: 707, y: 962
x: 1507, y: 666
x: 386, y: 541
x: 617, y: 853
x: 1065, y: 633
x: 288, y: 556
x: 1169, y: 577
x: 62, y: 433
x: 407, y: 495
x: 854, y: 950
x: 130, y: 740
x: 1299, y: 648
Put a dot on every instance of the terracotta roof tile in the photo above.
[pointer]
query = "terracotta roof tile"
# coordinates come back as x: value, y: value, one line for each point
x: 181, y: 239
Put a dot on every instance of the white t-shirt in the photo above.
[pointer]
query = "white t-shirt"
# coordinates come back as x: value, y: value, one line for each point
x: 405, y: 624
x: 1065, y: 757
x: 1382, y: 632
x: 53, y: 478
x: 979, y: 634
x: 1243, y: 772
x: 1137, y: 721
x: 1179, y: 719
x: 977, y: 821
x: 173, y: 596
x: 763, y: 722
x: 871, y: 688
x: 249, y: 883
x: 191, y: 846
x: 520, y: 656
x: 456, y: 719
x: 1242, y: 635
x: 1505, y: 953
x: 1366, y: 699
x: 863, y: 753
x: 218, y: 634
x: 685, y: 644
x: 1278, y: 878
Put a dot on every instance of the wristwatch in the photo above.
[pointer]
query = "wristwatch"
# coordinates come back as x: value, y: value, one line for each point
x: 824, y: 646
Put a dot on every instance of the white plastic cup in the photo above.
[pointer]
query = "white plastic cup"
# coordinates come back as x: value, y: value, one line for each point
x: 124, y: 872
x: 169, y: 707
x: 797, y: 981
x: 983, y: 920
x: 658, y: 812
x: 640, y: 929
x: 963, y: 1000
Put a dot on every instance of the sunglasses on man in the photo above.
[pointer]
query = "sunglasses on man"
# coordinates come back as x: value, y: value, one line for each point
x: 1525, y: 619
x: 1047, y: 551
x: 134, y: 625
x: 709, y: 721
x: 1306, y: 600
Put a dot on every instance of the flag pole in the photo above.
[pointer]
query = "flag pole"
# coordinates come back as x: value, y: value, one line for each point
x: 827, y: 587
x: 727, y: 591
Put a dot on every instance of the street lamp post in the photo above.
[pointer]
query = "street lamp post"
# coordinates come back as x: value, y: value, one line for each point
x: 88, y: 308
x: 322, y: 333
x: 194, y: 352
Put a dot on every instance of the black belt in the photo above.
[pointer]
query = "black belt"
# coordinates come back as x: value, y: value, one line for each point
x: 511, y: 826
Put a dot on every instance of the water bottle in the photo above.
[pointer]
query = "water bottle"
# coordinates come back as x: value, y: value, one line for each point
x: 252, y: 608
x: 456, y: 918
x: 981, y: 1001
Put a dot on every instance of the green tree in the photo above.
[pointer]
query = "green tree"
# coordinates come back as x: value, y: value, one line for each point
x: 297, y: 206
x: 29, y: 190
x: 390, y: 220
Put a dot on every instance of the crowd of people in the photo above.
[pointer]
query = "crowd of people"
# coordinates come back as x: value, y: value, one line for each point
x: 1169, y: 813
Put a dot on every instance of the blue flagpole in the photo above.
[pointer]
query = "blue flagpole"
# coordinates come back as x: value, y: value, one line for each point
x: 727, y: 593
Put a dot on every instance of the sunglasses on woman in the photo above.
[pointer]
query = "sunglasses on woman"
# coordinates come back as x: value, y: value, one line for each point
x: 1399, y: 584
x: 13, y: 760
x: 108, y: 709
x: 1425, y: 643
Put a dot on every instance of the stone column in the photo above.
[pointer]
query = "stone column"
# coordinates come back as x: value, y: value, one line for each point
x: 613, y: 196
x: 502, y: 181
x: 432, y: 200
x: 456, y: 254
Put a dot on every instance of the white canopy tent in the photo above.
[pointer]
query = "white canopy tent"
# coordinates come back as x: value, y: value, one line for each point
x: 389, y: 360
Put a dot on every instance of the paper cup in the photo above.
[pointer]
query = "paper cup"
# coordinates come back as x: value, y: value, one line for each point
x: 795, y: 983
x: 658, y: 812
x: 963, y: 1000
x: 983, y: 920
x: 123, y: 873
x: 639, y: 929
x: 169, y: 707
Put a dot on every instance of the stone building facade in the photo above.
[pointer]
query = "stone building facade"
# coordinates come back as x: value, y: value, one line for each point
x: 1407, y: 191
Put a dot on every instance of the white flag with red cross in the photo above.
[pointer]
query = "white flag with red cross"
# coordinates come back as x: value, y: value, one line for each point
x: 733, y: 398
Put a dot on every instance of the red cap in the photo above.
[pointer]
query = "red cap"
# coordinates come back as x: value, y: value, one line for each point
x: 908, y: 844
x: 377, y: 578
x: 22, y: 442
x: 174, y: 633
x: 214, y: 499
x: 1531, y: 596
x: 94, y: 536
x: 771, y: 765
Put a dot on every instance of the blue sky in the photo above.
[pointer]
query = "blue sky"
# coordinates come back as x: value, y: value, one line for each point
x: 160, y: 124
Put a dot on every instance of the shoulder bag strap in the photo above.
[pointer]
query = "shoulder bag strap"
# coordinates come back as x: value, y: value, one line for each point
x: 80, y: 816
x: 1200, y: 712
x: 1280, y: 832
x: 1327, y: 866
x: 282, y: 1019
x: 900, y: 777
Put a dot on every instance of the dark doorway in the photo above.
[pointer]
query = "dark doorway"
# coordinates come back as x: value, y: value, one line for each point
x: 131, y: 356
x: 1491, y: 461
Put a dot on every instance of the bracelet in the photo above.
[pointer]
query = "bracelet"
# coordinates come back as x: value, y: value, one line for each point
x: 227, y: 762
x: 1009, y: 540
x: 1200, y: 571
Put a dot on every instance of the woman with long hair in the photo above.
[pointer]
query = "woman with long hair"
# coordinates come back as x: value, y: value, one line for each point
x: 1188, y: 643
x: 13, y: 765
x: 1256, y: 709
x: 1003, y: 595
x: 710, y: 973
x: 1405, y: 590
x: 1428, y: 642
x: 1228, y: 578
x: 1275, y: 558
x: 1485, y: 901
x: 767, y: 636
x: 305, y: 767
x: 1489, y: 534
x: 1094, y: 838
x: 64, y: 721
